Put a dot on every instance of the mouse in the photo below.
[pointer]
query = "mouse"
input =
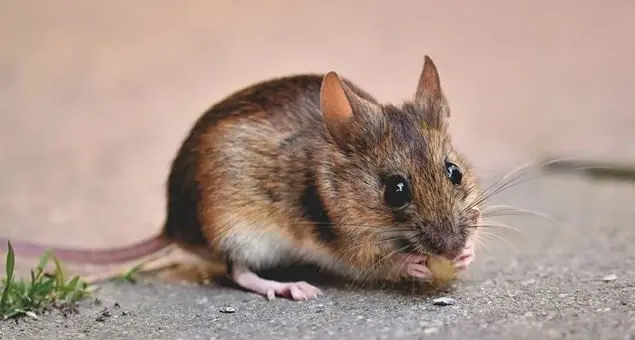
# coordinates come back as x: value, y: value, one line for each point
x: 310, y: 168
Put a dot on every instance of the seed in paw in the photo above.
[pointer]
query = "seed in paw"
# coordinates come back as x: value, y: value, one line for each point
x: 442, y: 269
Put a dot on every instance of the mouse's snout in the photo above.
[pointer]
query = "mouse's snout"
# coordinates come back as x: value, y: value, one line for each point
x: 444, y: 238
x: 448, y: 245
x: 448, y: 238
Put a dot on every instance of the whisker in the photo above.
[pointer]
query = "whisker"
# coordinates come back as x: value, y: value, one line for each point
x: 512, y: 182
x: 371, y: 271
x: 497, y: 225
x: 480, y: 242
x: 379, y: 241
x: 508, y: 176
x: 501, y: 180
x: 498, y: 237
x: 507, y: 181
x: 503, y: 210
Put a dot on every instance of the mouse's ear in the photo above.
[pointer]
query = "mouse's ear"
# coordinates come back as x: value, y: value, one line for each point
x: 339, y: 105
x: 429, y: 83
x: 429, y: 91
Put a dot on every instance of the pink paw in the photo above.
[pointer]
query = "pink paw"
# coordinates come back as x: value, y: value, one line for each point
x: 415, y: 266
x: 292, y: 290
x: 269, y: 288
x: 466, y: 258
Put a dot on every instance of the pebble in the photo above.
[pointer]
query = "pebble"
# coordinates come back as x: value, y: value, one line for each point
x: 444, y: 301
x: 227, y: 309
x: 609, y: 278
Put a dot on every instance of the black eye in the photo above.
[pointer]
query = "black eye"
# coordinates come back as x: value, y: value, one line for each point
x: 397, y: 191
x: 454, y: 174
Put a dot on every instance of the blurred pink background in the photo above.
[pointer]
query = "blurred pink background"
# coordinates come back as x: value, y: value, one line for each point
x: 95, y: 97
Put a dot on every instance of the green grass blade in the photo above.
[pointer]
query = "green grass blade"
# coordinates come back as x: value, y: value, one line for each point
x: 59, y: 274
x: 8, y: 281
x: 72, y: 290
x: 10, y: 265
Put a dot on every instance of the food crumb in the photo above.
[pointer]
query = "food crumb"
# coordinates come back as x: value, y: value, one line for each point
x: 227, y: 309
x: 609, y: 278
x: 444, y: 301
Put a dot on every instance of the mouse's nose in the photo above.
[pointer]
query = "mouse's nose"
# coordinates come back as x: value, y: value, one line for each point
x: 447, y: 246
x: 443, y: 240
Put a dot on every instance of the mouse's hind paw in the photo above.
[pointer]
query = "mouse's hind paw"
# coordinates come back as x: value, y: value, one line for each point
x: 297, y: 291
x: 292, y: 290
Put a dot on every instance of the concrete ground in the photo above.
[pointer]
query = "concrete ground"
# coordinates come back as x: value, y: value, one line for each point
x: 94, y: 100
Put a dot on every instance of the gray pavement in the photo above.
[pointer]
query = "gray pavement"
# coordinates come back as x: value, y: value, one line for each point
x: 547, y: 284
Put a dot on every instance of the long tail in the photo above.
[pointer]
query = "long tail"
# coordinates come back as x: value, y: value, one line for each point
x: 90, y: 256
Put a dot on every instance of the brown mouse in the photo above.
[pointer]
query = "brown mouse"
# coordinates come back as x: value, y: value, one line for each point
x: 312, y: 169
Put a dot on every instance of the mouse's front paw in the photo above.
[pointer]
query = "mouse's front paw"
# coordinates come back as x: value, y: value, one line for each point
x: 466, y: 257
x: 415, y: 266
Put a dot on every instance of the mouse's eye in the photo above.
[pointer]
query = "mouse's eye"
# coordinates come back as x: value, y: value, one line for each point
x: 453, y: 172
x: 397, y: 191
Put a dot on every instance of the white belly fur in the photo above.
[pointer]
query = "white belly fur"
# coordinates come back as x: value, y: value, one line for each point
x: 266, y: 248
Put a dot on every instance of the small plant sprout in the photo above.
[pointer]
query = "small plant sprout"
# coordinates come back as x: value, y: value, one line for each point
x: 43, y: 291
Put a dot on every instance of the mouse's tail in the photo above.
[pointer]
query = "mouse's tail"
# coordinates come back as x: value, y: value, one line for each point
x: 90, y: 256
